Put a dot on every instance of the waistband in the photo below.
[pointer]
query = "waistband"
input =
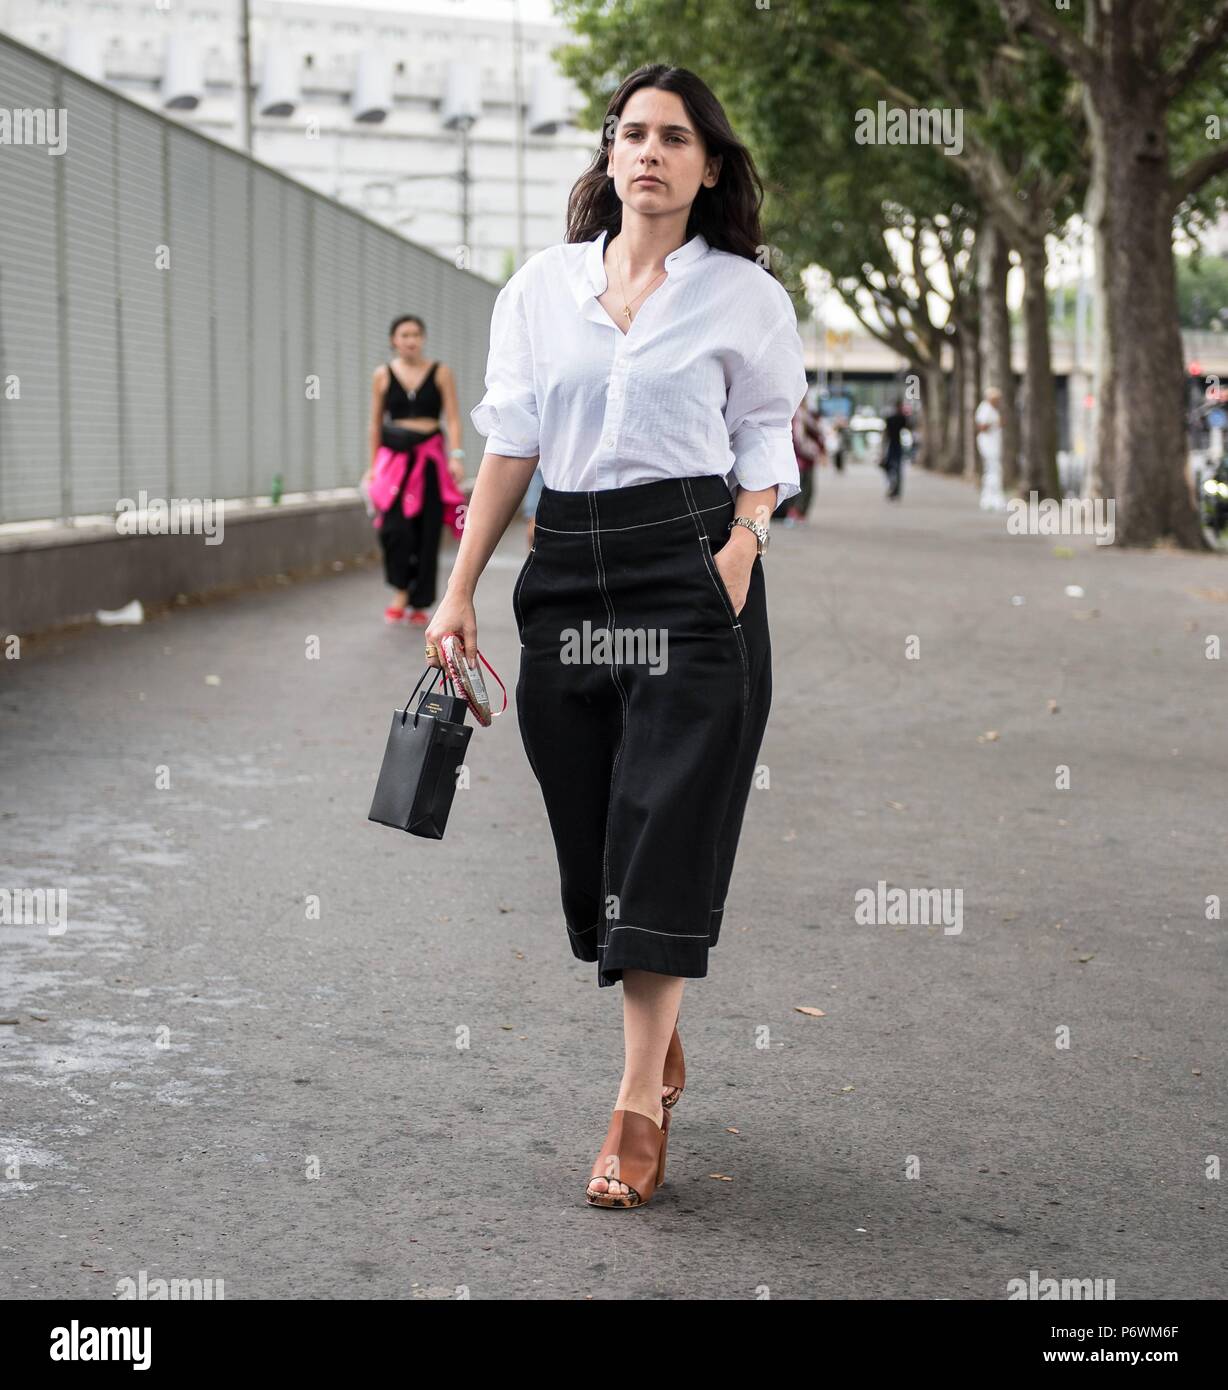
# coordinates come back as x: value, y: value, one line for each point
x: 419, y: 436
x: 642, y: 504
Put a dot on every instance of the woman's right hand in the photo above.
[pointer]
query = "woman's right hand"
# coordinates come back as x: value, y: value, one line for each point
x: 454, y: 614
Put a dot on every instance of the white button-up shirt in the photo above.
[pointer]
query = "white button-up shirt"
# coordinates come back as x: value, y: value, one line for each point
x: 706, y: 380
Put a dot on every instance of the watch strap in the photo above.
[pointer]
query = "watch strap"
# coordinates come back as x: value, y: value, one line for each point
x: 757, y: 528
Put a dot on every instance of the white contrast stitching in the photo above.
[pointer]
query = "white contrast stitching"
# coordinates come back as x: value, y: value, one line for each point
x: 677, y: 935
x: 516, y: 596
x: 622, y: 695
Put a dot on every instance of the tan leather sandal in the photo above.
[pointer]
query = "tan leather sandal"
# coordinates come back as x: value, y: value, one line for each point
x: 633, y: 1154
x: 674, y: 1072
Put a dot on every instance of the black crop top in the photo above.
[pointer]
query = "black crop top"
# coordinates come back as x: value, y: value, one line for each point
x: 425, y: 403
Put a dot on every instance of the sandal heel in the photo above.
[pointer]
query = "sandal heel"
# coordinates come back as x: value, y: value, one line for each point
x: 674, y: 1071
x: 637, y: 1147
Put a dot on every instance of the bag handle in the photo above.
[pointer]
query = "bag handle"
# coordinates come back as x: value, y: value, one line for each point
x: 448, y: 688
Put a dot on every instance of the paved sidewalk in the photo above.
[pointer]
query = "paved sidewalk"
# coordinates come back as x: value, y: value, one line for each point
x: 195, y: 1043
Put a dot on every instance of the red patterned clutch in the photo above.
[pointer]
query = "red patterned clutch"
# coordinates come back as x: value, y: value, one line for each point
x: 468, y: 679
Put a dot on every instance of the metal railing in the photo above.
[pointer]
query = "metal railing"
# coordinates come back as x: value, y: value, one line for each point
x: 179, y: 319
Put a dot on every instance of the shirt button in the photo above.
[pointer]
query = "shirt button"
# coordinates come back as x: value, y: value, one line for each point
x: 609, y: 441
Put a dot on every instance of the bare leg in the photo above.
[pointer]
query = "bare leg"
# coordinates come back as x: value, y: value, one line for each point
x: 650, y: 1007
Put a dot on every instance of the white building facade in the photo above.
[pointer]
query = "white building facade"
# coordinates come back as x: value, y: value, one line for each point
x: 408, y: 114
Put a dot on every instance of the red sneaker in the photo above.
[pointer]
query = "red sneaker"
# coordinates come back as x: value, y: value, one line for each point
x: 393, y: 614
x: 419, y: 617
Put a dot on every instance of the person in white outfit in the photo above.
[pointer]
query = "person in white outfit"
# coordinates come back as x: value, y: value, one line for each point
x: 988, y: 421
x: 651, y: 366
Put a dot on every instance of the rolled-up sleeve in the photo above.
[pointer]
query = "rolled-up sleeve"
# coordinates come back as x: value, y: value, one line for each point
x: 762, y: 399
x: 507, y: 413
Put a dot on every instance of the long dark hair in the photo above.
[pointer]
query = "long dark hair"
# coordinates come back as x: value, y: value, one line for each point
x: 727, y: 216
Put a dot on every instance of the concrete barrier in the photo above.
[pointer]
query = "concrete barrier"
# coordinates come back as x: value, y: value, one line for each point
x: 63, y: 574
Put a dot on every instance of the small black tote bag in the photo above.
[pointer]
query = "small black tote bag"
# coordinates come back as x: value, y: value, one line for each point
x: 418, y: 777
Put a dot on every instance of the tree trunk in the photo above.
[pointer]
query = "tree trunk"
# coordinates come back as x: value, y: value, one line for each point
x: 1101, y: 482
x: 955, y: 408
x: 1145, y: 410
x: 1040, y: 421
x: 937, y: 417
x: 993, y: 269
x: 971, y: 357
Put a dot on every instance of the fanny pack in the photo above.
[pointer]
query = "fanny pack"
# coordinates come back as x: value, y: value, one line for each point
x: 401, y: 440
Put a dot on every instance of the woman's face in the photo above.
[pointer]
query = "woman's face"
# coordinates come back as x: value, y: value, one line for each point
x: 407, y: 340
x: 656, y: 136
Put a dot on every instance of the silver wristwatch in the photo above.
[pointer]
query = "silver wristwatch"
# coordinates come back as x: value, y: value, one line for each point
x: 760, y: 530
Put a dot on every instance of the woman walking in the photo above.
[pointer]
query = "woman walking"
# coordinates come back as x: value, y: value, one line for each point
x: 654, y: 367
x: 414, y: 486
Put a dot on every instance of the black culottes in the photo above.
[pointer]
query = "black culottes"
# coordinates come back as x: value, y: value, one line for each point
x: 410, y: 544
x: 642, y: 700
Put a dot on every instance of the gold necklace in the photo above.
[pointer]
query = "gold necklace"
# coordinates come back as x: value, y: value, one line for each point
x: 623, y: 287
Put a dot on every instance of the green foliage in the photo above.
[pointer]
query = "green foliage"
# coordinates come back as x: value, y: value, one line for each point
x: 792, y: 77
x: 1202, y: 292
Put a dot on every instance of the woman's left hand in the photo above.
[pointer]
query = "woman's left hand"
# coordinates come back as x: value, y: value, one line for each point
x: 457, y: 470
x: 734, y: 562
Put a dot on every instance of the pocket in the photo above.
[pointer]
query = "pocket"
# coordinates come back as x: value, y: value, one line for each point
x: 735, y: 625
x: 718, y: 583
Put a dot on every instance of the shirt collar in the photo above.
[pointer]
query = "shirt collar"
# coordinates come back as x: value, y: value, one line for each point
x: 592, y: 281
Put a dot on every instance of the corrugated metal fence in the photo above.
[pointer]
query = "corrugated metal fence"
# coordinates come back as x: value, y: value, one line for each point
x: 167, y: 308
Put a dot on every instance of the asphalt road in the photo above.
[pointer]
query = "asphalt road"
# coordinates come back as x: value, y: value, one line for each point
x: 401, y: 1096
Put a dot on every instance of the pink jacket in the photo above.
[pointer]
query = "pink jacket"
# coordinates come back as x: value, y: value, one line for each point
x: 389, y: 468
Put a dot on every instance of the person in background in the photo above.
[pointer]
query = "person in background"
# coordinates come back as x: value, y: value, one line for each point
x: 809, y: 450
x: 837, y: 443
x: 988, y: 421
x: 893, y: 454
x: 804, y: 430
x: 528, y: 507
x: 413, y: 485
